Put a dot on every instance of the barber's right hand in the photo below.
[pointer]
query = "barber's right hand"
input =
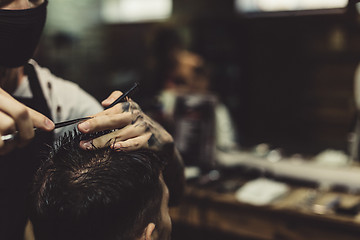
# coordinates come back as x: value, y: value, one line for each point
x: 14, y: 116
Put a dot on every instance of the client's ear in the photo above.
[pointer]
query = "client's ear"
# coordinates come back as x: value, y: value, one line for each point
x: 148, y: 231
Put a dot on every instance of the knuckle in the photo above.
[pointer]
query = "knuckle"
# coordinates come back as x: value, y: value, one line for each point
x: 136, y: 143
x: 137, y: 113
x: 147, y: 127
x: 134, y: 105
x: 125, y: 107
x: 118, y: 108
x: 99, y: 142
x: 137, y: 119
x: 21, y: 113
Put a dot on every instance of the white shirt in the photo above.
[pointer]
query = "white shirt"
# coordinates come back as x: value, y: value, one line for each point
x: 66, y: 100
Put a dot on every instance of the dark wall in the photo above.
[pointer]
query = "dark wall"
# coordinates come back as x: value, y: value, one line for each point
x: 300, y: 83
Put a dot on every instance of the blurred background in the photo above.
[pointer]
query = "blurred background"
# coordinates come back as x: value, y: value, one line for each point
x: 285, y: 70
x: 286, y: 77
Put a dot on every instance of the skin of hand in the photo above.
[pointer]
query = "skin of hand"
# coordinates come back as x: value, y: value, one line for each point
x: 14, y: 116
x: 134, y: 129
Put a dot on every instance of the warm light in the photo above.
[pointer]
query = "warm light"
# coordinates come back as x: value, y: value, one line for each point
x: 244, y: 6
x: 117, y: 11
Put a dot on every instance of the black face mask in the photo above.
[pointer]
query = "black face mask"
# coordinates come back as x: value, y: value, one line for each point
x: 20, y: 32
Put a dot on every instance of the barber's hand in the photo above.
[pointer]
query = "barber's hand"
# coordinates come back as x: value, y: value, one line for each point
x: 14, y: 116
x: 134, y: 128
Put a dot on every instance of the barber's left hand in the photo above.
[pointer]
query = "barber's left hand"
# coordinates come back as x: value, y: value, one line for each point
x: 135, y: 129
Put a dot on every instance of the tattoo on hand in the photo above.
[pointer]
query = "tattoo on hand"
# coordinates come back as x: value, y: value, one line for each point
x: 126, y: 107
x: 153, y: 141
x: 137, y: 118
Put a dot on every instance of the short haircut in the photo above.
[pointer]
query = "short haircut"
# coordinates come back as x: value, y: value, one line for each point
x: 99, y: 194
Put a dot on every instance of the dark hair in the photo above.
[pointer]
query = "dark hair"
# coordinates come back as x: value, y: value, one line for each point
x: 100, y: 194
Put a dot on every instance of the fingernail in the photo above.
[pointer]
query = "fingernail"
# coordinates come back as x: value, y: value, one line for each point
x: 49, y: 124
x: 84, y: 126
x: 87, y: 145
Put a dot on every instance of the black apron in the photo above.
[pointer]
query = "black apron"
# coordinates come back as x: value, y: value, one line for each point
x: 18, y: 167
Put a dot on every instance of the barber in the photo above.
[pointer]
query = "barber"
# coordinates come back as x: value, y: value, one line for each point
x: 30, y: 96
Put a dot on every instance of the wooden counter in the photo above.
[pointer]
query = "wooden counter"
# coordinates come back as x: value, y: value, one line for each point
x: 288, y: 218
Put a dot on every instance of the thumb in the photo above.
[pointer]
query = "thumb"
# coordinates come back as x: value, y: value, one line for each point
x: 40, y: 120
x: 113, y: 96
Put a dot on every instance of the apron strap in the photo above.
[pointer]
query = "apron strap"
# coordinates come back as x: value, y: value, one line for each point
x: 38, y: 95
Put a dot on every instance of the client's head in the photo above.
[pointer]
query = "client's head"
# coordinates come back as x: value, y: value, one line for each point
x: 101, y: 194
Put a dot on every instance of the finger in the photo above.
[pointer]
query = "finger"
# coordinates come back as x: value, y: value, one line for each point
x: 117, y: 109
x: 122, y: 134
x: 100, y: 142
x: 132, y: 143
x: 113, y: 96
x: 41, y: 121
x: 123, y: 107
x: 7, y: 124
x: 19, y: 114
x: 23, y: 115
x: 101, y: 123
